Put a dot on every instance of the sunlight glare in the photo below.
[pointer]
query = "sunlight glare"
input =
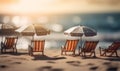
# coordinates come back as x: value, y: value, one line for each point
x: 6, y: 19
x: 42, y: 19
x: 16, y: 20
x: 25, y: 20
x: 57, y: 27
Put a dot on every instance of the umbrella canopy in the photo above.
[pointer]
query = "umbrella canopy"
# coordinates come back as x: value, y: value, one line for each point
x: 79, y: 31
x: 8, y: 30
x: 32, y: 29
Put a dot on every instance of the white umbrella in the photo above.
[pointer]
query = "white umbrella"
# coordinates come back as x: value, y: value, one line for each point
x: 32, y: 29
x: 79, y: 31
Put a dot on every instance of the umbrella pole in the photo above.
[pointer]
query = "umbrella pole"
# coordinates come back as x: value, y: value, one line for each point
x: 81, y: 42
x: 32, y: 37
x: 2, y: 35
x: 80, y: 45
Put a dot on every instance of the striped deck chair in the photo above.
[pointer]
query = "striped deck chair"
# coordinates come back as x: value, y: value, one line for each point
x: 9, y: 43
x: 111, y: 49
x: 70, y: 46
x: 89, y: 47
x: 36, y: 46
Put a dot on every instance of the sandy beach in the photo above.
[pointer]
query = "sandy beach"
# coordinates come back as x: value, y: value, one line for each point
x: 54, y: 61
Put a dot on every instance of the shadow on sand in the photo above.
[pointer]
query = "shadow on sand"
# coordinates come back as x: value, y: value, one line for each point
x: 44, y: 57
x: 112, y: 69
x: 112, y: 59
x: 105, y: 58
x: 16, y: 54
x: 3, y: 66
x: 74, y: 63
x: 49, y: 68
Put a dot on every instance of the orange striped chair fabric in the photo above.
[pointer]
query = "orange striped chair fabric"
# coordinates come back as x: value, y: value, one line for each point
x: 9, y: 43
x: 70, y: 46
x: 38, y: 45
x: 89, y: 47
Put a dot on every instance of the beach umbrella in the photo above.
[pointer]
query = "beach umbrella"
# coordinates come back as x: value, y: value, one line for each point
x: 32, y: 29
x: 79, y: 31
x: 8, y: 30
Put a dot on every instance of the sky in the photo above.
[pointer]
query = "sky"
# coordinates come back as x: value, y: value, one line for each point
x: 58, y: 6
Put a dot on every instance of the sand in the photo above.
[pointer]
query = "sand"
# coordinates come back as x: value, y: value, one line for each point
x: 54, y: 61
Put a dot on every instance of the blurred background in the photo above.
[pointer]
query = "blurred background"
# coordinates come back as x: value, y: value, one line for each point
x: 59, y: 15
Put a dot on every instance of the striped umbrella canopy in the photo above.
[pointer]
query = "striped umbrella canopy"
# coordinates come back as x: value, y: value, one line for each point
x: 79, y: 31
x: 32, y: 29
x: 8, y: 30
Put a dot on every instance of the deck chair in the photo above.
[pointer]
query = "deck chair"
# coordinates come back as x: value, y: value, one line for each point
x: 88, y: 47
x: 9, y: 43
x: 36, y: 46
x: 111, y: 49
x: 70, y: 46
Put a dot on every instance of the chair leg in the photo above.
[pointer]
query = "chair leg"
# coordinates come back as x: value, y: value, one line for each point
x: 30, y: 51
x: 74, y: 53
x: 16, y: 50
x: 84, y: 54
x: 42, y: 52
x: 104, y: 53
x: 1, y: 50
x: 100, y: 51
x: 113, y: 53
x: 61, y: 52
x: 3, y: 47
x: 94, y: 54
x: 65, y: 53
x: 4, y: 50
x: 116, y: 54
x: 79, y: 51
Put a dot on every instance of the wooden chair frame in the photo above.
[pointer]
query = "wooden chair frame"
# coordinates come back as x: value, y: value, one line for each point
x: 111, y: 49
